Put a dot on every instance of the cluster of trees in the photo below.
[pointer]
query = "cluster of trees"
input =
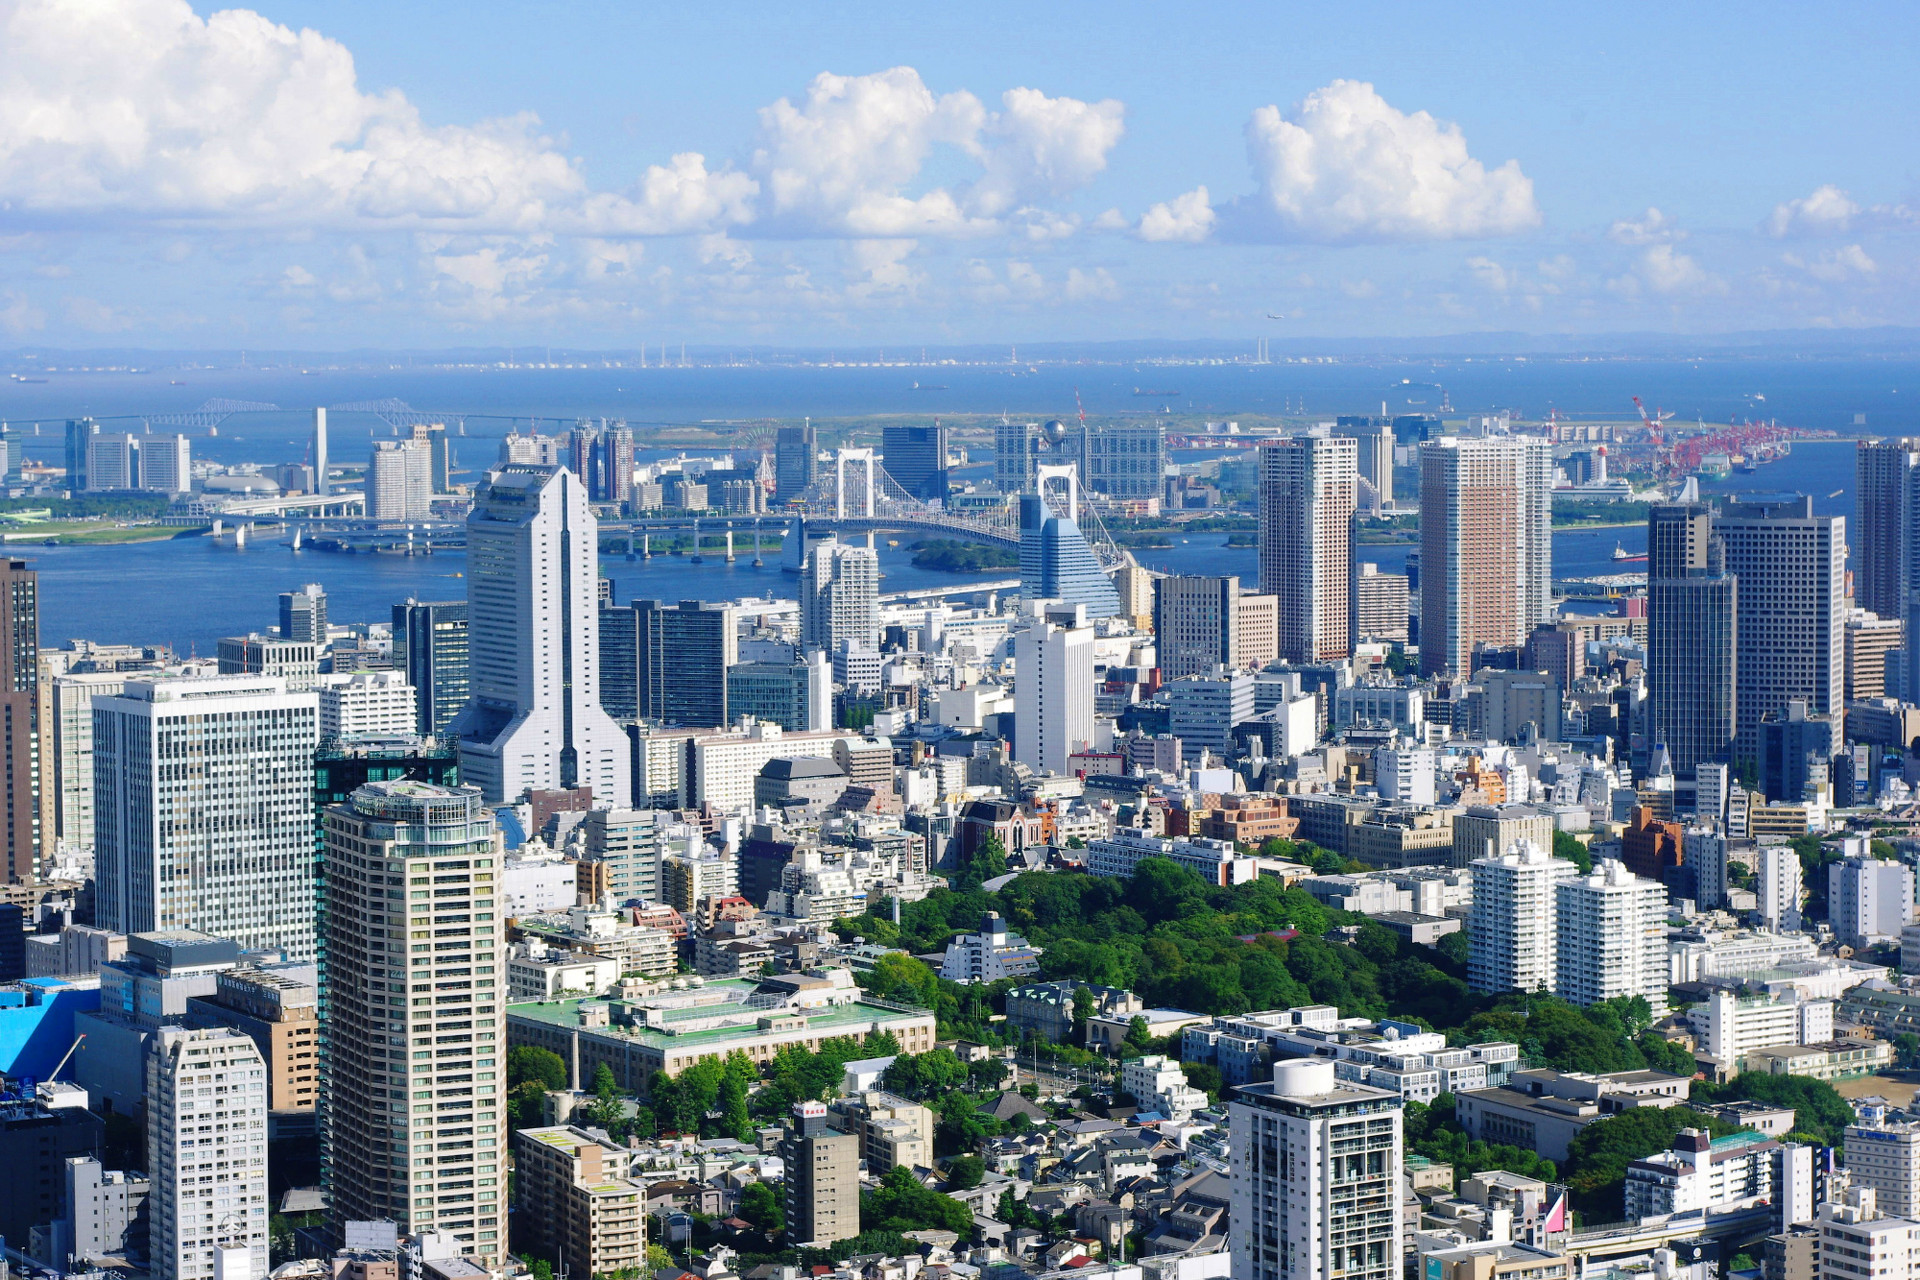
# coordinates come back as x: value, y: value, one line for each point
x: 901, y: 1204
x: 1432, y: 1130
x: 938, y: 1072
x: 962, y: 557
x: 1613, y: 1035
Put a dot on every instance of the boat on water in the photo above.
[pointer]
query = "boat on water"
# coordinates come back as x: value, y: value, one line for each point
x: 930, y: 387
x: 1622, y: 556
x: 1149, y: 391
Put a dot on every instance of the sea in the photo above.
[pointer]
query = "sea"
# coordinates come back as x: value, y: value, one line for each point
x: 188, y: 592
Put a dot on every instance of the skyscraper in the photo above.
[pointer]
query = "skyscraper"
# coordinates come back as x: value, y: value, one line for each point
x: 166, y: 464
x: 80, y: 434
x: 206, y: 1105
x: 1056, y: 562
x: 400, y: 480
x: 1790, y: 634
x: 19, y: 710
x: 534, y: 720
x: 1016, y: 449
x: 320, y: 482
x: 1053, y: 679
x: 1374, y: 438
x: 916, y: 458
x: 1308, y: 486
x: 1886, y: 495
x: 1317, y: 1163
x: 430, y: 646
x: 796, y: 462
x: 412, y: 1089
x: 1196, y: 625
x: 613, y: 465
x: 1486, y: 545
x: 303, y: 615
x: 1513, y: 937
x: 1691, y: 658
x: 839, y: 596
x: 1126, y: 463
x: 667, y: 662
x: 823, y: 1178
x: 1611, y: 937
x: 203, y: 809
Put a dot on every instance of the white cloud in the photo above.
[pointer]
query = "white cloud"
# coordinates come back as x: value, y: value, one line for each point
x: 296, y: 277
x: 1189, y: 217
x: 1044, y: 147
x: 1491, y: 275
x: 1345, y: 165
x: 670, y: 199
x: 1097, y: 284
x: 1665, y: 270
x: 1829, y: 210
x: 1836, y: 265
x: 18, y: 316
x: 881, y: 267
x: 1655, y: 228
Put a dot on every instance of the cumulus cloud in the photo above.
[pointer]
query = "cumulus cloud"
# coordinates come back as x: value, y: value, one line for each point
x: 670, y: 199
x: 1829, y: 210
x: 1041, y: 147
x: 1655, y: 228
x: 1663, y: 269
x: 1095, y: 285
x: 1189, y: 217
x: 1490, y: 275
x: 1836, y: 265
x: 1344, y: 165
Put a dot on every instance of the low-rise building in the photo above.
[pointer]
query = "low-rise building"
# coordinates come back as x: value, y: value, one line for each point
x: 1543, y: 1110
x: 1702, y: 1173
x: 536, y: 970
x: 1047, y: 1007
x: 893, y: 1132
x: 602, y: 931
x: 1157, y: 1084
x: 575, y: 1197
x: 1215, y: 861
x: 1834, y: 1060
x: 990, y: 955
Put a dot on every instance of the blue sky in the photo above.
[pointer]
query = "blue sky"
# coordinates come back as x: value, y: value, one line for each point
x: 351, y: 173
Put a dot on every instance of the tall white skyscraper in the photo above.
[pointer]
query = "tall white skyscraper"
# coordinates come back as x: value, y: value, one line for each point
x: 1316, y: 1177
x: 1309, y: 487
x: 1611, y: 937
x: 1053, y: 681
x: 839, y: 597
x: 535, y: 720
x: 203, y: 809
x: 1486, y: 545
x: 206, y: 1104
x: 1779, y: 887
x: 415, y: 1028
x: 1513, y: 936
x: 400, y: 480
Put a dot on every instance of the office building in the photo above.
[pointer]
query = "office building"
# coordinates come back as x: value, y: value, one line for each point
x: 822, y: 1177
x: 796, y: 462
x: 1513, y: 935
x: 1778, y: 887
x: 534, y: 721
x: 1869, y: 900
x: 20, y: 749
x: 1796, y: 753
x: 1204, y: 710
x: 105, y: 1216
x: 166, y: 464
x: 1308, y: 488
x: 206, y: 1105
x: 1611, y: 937
x: 366, y: 704
x: 1886, y: 495
x: 1486, y: 546
x: 430, y: 649
x: 303, y: 616
x: 1057, y: 562
x: 203, y: 812
x: 1728, y: 1026
x: 1125, y: 463
x: 1886, y: 1158
x: 839, y: 597
x: 1317, y: 1164
x: 79, y: 442
x: 667, y: 663
x: 1380, y: 605
x: 1485, y: 831
x: 321, y: 484
x: 294, y: 661
x: 916, y: 458
x: 433, y: 435
x: 797, y: 695
x: 113, y: 463
x: 342, y: 767
x: 37, y: 1138
x: 1258, y: 618
x: 279, y: 1011
x: 1405, y: 774
x: 579, y: 1200
x: 441, y: 1168
x: 1870, y: 640
x: 1692, y: 603
x: 1790, y: 637
x: 1016, y: 451
x: 1196, y: 625
x: 72, y: 755
x: 1053, y: 671
x: 399, y: 481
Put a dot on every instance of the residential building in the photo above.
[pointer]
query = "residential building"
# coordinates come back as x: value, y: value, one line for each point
x: 893, y: 1132
x: 1691, y: 655
x: 1727, y: 1026
x: 668, y: 663
x: 839, y: 597
x: 1316, y: 1172
x: 430, y: 648
x: 1053, y: 668
x: 367, y: 704
x: 303, y: 616
x: 1381, y: 605
x: 535, y: 720
x: 206, y: 1111
x: 203, y: 810
x: 1610, y: 937
x: 989, y: 955
x: 1158, y: 1085
x: 577, y: 1196
x: 1218, y: 862
x: 1486, y: 548
x: 1373, y: 443
x: 822, y: 1177
x: 1196, y: 625
x: 399, y: 481
x: 627, y: 843
x: 1513, y: 933
x: 1703, y: 1174
x: 1789, y: 642
x: 1493, y: 830
x: 1778, y: 887
x: 440, y: 1168
x: 538, y: 971
x: 1869, y: 900
x: 1870, y: 639
x: 20, y: 771
x: 1309, y: 487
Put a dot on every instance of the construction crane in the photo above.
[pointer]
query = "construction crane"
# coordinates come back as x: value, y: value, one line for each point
x: 55, y: 1073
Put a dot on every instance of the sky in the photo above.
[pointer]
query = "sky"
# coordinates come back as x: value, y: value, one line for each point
x: 611, y: 175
